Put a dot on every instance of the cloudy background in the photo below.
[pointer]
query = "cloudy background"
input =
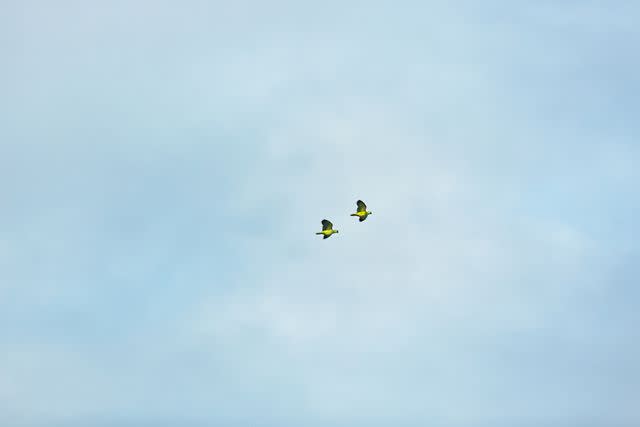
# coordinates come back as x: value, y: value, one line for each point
x: 164, y: 165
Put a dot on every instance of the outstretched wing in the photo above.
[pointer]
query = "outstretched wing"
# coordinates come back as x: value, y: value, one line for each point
x: 361, y: 206
x: 326, y: 225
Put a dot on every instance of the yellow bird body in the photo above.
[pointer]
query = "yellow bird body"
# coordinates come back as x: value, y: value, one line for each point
x: 361, y: 215
x: 327, y: 233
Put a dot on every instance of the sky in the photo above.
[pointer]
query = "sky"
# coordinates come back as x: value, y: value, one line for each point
x: 165, y: 165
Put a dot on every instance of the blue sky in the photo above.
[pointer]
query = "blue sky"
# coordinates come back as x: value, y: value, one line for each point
x: 164, y: 166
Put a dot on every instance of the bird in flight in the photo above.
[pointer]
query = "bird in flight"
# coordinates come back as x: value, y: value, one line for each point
x: 362, y: 212
x: 327, y: 229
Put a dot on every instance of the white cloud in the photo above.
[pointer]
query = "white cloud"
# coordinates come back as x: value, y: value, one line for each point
x: 438, y: 262
x: 447, y: 303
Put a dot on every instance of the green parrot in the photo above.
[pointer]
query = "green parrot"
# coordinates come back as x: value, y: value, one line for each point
x: 362, y: 212
x: 327, y: 229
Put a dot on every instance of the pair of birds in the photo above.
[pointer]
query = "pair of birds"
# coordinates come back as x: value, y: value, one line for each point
x: 327, y: 227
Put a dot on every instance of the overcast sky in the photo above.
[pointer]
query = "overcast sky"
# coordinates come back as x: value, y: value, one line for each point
x: 165, y: 165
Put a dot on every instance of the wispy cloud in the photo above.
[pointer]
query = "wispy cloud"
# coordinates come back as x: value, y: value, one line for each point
x: 163, y: 170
